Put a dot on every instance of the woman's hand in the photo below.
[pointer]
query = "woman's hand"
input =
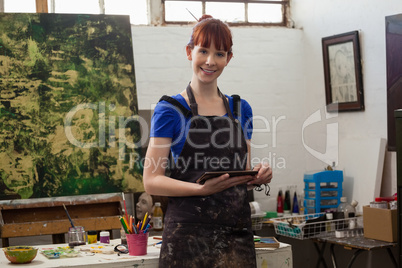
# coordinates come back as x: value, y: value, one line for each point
x: 223, y: 182
x: 263, y: 176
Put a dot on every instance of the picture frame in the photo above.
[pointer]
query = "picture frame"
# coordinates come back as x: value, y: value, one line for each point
x: 343, y: 72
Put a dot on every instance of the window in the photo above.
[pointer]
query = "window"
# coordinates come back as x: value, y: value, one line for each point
x: 234, y: 12
x: 76, y: 6
x: 137, y: 9
x: 160, y: 12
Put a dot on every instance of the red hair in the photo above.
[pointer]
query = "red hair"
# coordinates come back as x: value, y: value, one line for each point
x: 209, y: 29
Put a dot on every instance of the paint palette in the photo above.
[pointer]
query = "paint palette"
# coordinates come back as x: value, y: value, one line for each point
x: 98, y: 248
x: 59, y: 252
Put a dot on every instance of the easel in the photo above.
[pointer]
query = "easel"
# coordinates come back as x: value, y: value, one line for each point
x: 46, y: 216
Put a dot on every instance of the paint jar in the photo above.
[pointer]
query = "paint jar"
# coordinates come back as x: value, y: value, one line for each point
x: 92, y: 237
x: 104, y: 237
x: 76, y: 236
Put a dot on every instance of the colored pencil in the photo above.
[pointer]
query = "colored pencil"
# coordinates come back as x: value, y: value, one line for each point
x: 158, y: 243
x: 147, y: 221
x: 147, y: 228
x: 143, y: 222
x: 131, y: 224
x: 128, y: 227
x: 123, y: 224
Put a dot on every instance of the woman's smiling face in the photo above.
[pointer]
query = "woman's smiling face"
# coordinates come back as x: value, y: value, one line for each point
x: 208, y: 63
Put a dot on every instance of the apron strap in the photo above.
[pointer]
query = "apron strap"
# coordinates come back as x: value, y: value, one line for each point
x: 186, y: 112
x: 194, y: 106
x: 226, y: 103
x: 193, y: 103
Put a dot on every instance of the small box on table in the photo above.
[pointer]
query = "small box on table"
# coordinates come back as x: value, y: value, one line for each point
x: 380, y: 223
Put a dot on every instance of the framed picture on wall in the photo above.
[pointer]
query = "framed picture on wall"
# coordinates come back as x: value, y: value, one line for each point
x: 343, y: 72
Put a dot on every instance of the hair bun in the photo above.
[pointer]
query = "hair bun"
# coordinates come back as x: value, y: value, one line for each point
x: 204, y: 17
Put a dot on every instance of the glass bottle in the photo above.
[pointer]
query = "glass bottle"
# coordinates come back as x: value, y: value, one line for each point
x: 330, y: 225
x: 347, y: 208
x: 349, y: 211
x: 123, y: 236
x: 157, y: 217
x: 301, y: 203
x: 352, y: 214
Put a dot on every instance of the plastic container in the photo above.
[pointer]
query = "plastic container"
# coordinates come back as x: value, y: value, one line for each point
x: 323, y: 190
x: 137, y: 244
x: 104, y: 237
x: 157, y: 217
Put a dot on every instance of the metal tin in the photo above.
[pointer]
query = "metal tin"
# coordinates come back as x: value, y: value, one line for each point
x: 393, y: 205
x: 381, y: 204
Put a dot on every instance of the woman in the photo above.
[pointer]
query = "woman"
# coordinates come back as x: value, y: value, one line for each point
x: 206, y: 225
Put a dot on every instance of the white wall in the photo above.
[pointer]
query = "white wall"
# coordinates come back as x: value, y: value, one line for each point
x: 279, y: 72
x: 324, y: 18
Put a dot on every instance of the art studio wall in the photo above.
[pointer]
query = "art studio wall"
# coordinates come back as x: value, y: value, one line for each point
x: 279, y: 71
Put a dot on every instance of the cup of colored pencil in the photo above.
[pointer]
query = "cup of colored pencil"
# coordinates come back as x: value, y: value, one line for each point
x: 136, y: 234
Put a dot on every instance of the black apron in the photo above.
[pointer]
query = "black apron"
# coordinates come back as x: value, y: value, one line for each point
x: 209, y: 231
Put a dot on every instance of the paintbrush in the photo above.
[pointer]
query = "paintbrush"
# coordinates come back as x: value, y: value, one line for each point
x: 192, y: 14
x: 68, y: 215
x: 125, y: 208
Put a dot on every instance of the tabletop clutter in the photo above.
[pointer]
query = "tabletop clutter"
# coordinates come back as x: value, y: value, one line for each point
x: 134, y: 238
x: 134, y: 241
x: 322, y: 211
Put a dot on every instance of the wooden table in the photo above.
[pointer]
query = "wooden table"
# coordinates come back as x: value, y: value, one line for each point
x: 280, y: 257
x: 359, y: 244
x: 46, y: 216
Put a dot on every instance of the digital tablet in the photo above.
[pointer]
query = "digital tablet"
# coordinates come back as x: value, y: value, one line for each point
x: 232, y: 173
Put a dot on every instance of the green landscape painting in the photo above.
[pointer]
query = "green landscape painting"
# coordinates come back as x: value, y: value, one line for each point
x: 68, y: 106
